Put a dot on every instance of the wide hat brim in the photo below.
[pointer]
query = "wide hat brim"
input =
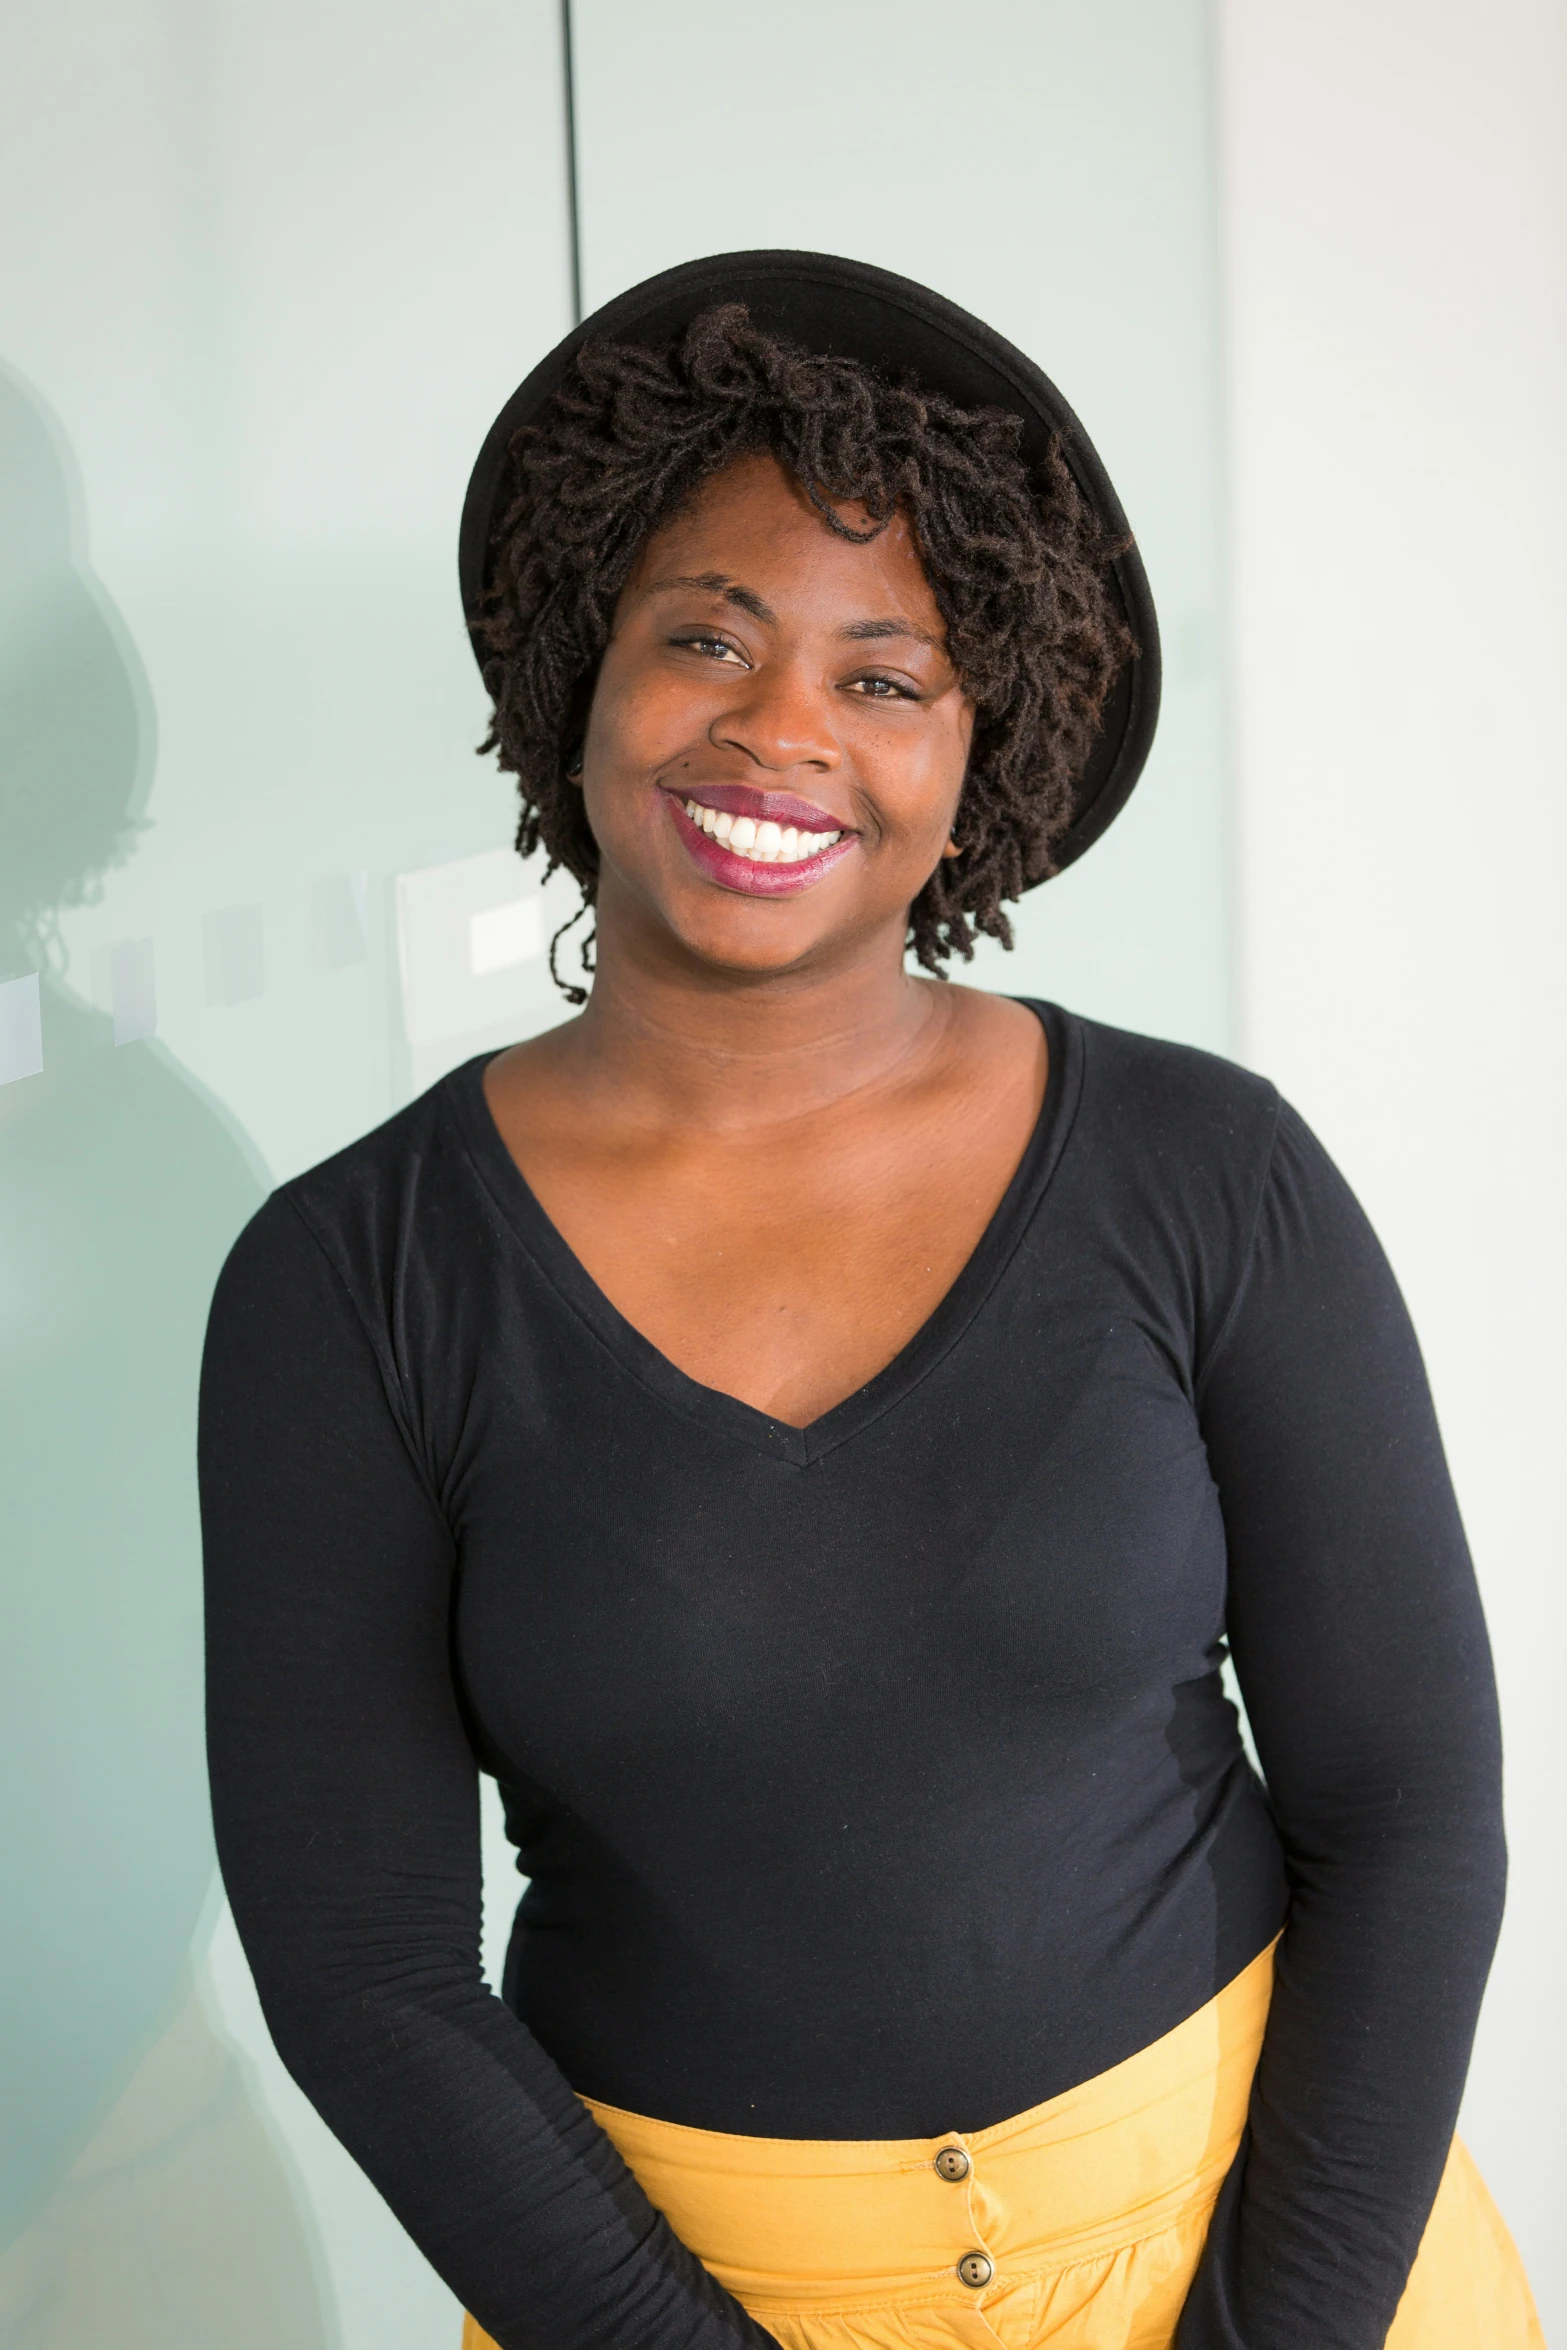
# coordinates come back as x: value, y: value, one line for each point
x: 901, y: 330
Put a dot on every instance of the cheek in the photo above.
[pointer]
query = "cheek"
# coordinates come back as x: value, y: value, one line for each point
x: 633, y: 731
x: 957, y: 769
x: 638, y: 719
x: 927, y: 783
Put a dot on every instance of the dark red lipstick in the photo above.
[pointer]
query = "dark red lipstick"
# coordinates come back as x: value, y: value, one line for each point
x: 763, y: 807
x: 749, y: 876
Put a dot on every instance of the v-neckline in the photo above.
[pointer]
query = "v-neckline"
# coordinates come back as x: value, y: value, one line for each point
x: 714, y: 1407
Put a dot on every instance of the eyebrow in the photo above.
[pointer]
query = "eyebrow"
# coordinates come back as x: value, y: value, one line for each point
x: 718, y: 583
x: 864, y: 631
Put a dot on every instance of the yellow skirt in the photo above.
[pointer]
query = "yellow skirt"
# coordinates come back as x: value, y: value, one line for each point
x: 1078, y: 2224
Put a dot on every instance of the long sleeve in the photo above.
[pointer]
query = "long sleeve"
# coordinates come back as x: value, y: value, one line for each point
x: 1361, y: 1651
x: 345, y: 1800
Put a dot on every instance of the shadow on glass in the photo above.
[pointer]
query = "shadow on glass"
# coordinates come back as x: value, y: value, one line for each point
x: 142, y: 2199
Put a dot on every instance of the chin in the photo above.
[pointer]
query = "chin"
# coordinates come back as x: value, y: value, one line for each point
x: 748, y: 947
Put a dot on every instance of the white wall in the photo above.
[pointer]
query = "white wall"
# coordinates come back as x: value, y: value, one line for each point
x: 1395, y: 216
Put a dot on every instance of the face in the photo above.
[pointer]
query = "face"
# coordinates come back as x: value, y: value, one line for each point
x: 777, y: 739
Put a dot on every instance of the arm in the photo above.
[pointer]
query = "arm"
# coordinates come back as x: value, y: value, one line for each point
x: 1361, y: 1650
x: 346, y: 1805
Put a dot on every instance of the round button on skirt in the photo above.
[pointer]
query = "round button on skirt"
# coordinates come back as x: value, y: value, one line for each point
x: 1076, y: 2225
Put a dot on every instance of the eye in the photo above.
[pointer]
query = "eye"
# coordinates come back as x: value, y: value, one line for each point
x: 876, y: 687
x: 715, y: 648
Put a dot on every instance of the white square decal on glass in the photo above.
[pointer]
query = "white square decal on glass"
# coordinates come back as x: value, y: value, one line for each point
x: 234, y: 950
x: 501, y: 937
x: 21, y: 1028
x: 340, y: 919
x: 133, y: 990
x: 470, y: 949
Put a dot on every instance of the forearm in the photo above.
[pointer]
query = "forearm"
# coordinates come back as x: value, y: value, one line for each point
x: 499, y: 2173
x: 1361, y: 1651
x: 1378, y: 1982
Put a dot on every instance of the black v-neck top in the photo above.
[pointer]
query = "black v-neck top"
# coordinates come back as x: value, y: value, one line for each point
x: 873, y: 1779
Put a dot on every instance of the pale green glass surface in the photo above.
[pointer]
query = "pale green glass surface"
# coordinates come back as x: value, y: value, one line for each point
x: 269, y: 271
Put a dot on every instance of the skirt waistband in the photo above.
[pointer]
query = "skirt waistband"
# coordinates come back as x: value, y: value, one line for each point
x: 810, y: 2223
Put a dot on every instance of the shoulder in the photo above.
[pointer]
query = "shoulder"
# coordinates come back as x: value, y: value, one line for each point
x: 1145, y: 1100
x: 1164, y: 1165
x: 1168, y: 1155
x: 372, y: 1210
x: 1195, y: 1113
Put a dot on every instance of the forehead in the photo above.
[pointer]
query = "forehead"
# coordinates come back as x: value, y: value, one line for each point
x: 754, y: 524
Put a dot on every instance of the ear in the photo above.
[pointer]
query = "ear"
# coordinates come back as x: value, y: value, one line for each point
x: 952, y: 849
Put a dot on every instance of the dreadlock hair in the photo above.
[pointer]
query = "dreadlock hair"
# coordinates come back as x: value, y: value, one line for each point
x: 1018, y: 564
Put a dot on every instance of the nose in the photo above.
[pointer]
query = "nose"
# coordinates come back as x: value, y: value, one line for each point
x: 779, y: 719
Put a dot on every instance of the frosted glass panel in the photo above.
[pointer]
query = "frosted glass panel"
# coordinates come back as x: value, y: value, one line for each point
x: 1049, y: 167
x: 269, y: 271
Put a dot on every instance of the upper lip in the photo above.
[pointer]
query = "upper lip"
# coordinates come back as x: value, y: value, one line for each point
x: 766, y: 807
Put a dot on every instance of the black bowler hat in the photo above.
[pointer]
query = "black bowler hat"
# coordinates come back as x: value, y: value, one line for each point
x: 901, y: 330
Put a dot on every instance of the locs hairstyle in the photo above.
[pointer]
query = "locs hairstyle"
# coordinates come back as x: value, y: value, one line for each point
x: 1017, y: 561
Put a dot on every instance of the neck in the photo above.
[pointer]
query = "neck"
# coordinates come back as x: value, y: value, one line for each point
x: 668, y: 1039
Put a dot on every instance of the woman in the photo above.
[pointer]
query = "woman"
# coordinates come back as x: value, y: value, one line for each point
x: 811, y: 1433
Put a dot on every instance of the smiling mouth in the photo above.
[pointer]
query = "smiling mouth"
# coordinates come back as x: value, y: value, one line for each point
x: 760, y: 841
x: 761, y: 844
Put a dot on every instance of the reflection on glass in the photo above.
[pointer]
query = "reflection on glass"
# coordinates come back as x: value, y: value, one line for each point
x: 141, y: 2202
x: 340, y: 919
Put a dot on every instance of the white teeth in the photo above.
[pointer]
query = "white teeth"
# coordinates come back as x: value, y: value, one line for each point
x: 760, y: 844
